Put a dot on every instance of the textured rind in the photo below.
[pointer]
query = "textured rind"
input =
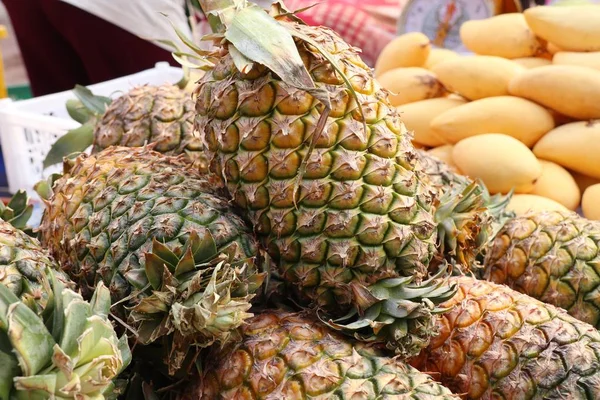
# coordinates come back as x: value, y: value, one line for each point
x: 106, y: 210
x: 553, y: 257
x: 291, y: 356
x: 163, y: 115
x: 22, y: 265
x: 496, y: 343
x: 358, y: 213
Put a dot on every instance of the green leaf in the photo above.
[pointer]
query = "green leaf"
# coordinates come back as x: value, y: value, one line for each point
x: 154, y: 269
x: 186, y: 264
x: 100, y: 301
x: 242, y: 63
x: 186, y: 40
x: 19, y: 201
x: 43, y: 189
x: 166, y: 254
x: 260, y: 38
x: 94, y: 104
x: 75, y: 141
x: 20, y: 221
x: 10, y: 369
x: 76, y: 322
x: 78, y: 111
x: 31, y: 341
x: 204, y: 248
x: 125, y: 351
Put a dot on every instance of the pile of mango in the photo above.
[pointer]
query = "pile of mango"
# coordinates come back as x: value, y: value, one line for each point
x: 522, y: 113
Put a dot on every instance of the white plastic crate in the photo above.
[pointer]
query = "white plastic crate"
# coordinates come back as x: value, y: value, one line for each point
x: 29, y: 127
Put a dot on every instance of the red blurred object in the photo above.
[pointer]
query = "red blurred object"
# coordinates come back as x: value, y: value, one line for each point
x: 366, y: 24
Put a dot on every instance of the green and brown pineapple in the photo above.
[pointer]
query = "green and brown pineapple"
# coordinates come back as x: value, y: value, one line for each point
x: 176, y: 258
x: 496, y: 343
x: 295, y: 357
x: 162, y: 116
x: 553, y: 256
x: 312, y: 150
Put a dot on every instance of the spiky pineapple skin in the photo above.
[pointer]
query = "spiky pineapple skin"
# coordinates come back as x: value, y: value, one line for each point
x: 22, y: 265
x: 294, y: 357
x: 160, y: 115
x: 496, y: 343
x: 552, y: 256
x: 107, y: 208
x: 356, y: 213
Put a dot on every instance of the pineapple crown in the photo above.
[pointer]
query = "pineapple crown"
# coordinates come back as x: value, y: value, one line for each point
x: 398, y: 312
x: 467, y: 219
x: 194, y: 293
x: 75, y: 353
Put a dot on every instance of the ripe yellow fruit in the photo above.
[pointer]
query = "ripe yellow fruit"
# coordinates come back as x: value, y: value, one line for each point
x: 408, y: 85
x: 570, y: 28
x: 408, y: 50
x: 590, y: 203
x: 532, y: 62
x: 444, y: 153
x: 500, y: 161
x: 513, y: 116
x: 591, y: 59
x: 583, y: 181
x: 556, y: 183
x: 477, y: 77
x: 523, y: 203
x: 575, y: 146
x: 571, y: 90
x: 438, y: 55
x: 552, y: 48
x: 418, y: 145
x: 505, y: 35
x: 417, y: 117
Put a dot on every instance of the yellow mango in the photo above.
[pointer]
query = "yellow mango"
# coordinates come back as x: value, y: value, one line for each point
x: 438, y: 55
x: 513, y: 116
x: 444, y: 153
x: 418, y: 145
x: 532, y: 62
x: 523, y: 203
x: 575, y: 146
x: 408, y: 50
x: 569, y: 89
x: 408, y: 85
x: 591, y: 60
x: 583, y: 181
x: 500, y: 161
x: 505, y: 35
x: 417, y: 117
x: 590, y: 203
x: 570, y: 28
x: 556, y: 183
x: 477, y: 77
x: 552, y: 49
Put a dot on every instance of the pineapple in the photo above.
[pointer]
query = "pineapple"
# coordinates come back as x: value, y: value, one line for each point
x: 553, y: 256
x: 159, y: 115
x: 496, y: 343
x: 22, y: 265
x: 52, y: 343
x: 175, y: 257
x: 467, y: 217
x: 310, y: 147
x: 291, y: 356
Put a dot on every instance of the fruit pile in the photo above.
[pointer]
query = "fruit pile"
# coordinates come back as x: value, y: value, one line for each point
x: 306, y: 250
x: 521, y: 113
